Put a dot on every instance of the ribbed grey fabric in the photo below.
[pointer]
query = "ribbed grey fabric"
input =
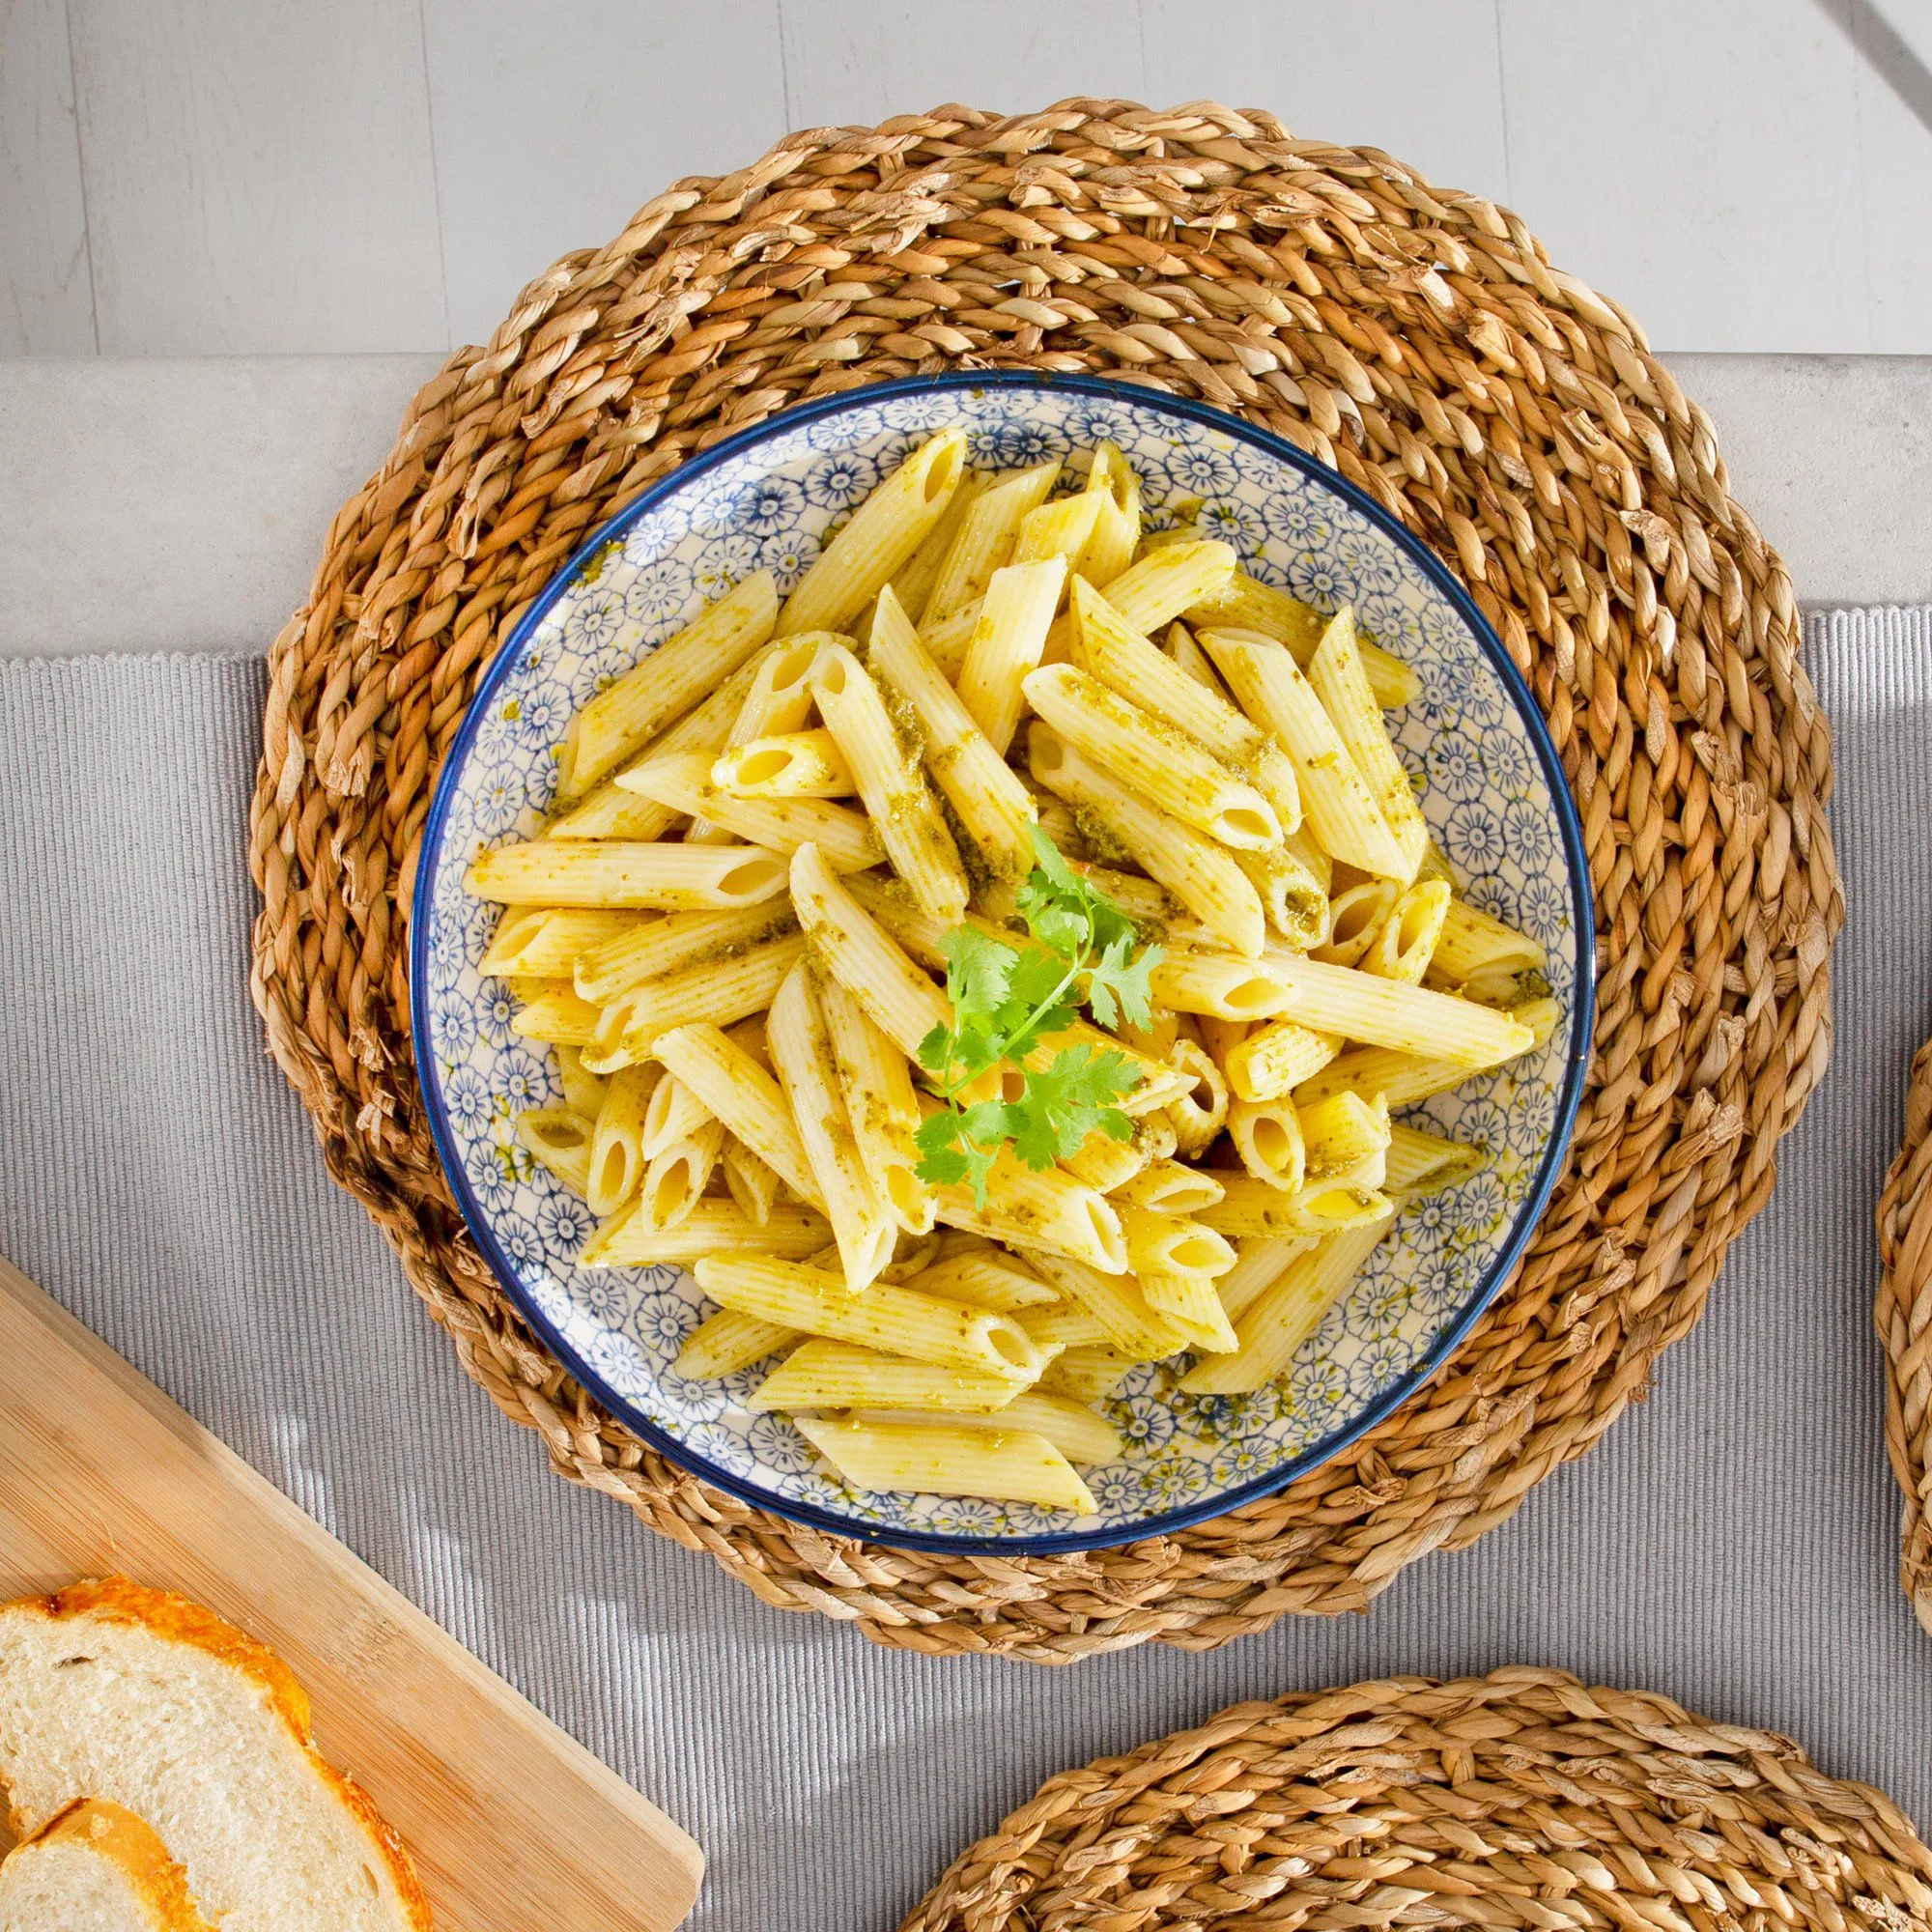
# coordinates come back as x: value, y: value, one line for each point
x: 1732, y: 1541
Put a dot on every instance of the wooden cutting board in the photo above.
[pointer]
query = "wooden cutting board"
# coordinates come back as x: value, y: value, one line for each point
x: 514, y: 1825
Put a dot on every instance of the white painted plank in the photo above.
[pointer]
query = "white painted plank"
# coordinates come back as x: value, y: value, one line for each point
x: 1325, y: 67
x: 1895, y: 163
x: 258, y: 176
x: 853, y: 61
x: 46, y: 305
x: 179, y: 504
x: 552, y: 132
x: 1698, y: 162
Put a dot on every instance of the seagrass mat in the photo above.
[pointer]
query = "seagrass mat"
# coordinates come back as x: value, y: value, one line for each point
x: 1412, y: 337
x: 1520, y: 1799
x: 1904, y: 1315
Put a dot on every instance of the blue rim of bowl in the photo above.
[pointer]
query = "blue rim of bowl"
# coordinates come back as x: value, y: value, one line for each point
x: 1576, y: 1059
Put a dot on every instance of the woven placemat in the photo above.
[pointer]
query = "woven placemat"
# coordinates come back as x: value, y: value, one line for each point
x: 1523, y: 1799
x: 1415, y: 339
x: 1904, y: 1315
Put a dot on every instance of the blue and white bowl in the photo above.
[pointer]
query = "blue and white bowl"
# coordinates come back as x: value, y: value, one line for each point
x: 1493, y: 794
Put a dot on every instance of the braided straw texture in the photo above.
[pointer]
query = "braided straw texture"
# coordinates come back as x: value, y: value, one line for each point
x: 1415, y: 339
x: 1904, y: 1315
x: 1523, y: 1799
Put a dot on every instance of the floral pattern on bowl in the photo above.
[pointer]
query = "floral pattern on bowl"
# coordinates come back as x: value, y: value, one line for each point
x: 1493, y: 793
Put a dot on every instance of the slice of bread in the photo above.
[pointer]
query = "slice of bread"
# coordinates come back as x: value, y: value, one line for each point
x: 95, y: 1868
x: 110, y: 1690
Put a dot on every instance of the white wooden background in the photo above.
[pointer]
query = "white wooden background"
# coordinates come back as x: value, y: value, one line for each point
x: 239, y: 177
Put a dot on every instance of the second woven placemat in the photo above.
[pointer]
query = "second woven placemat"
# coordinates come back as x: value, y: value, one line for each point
x: 1414, y: 338
x: 1523, y: 1799
x: 1904, y: 1316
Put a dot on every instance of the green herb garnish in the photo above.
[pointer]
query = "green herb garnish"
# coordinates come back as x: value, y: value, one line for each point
x: 1005, y: 1000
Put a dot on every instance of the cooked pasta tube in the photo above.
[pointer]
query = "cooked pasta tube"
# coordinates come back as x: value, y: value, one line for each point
x: 1064, y: 1326
x: 670, y: 1113
x: 1200, y: 1112
x: 1191, y: 1303
x: 993, y: 808
x: 1048, y: 1209
x: 1168, y: 1187
x: 1470, y: 942
x: 1250, y: 1207
x: 559, y: 1138
x: 881, y: 1104
x: 1058, y: 529
x: 793, y: 764
x: 987, y: 1277
x: 1117, y: 524
x: 1356, y: 916
x: 1292, y: 894
x: 719, y: 992
x: 1420, y: 1163
x: 1403, y: 948
x: 987, y: 533
x: 1284, y: 1315
x: 616, y: 1145
x: 1341, y: 807
x: 1203, y: 876
x: 849, y: 943
x: 546, y: 941
x: 777, y: 700
x: 752, y: 1183
x: 1220, y: 984
x: 1258, y: 1264
x: 883, y: 535
x: 1005, y: 645
x: 1337, y: 677
x: 555, y: 1015
x: 679, y: 939
x: 678, y: 1174
x: 839, y: 1375
x: 802, y: 1057
x: 1172, y: 1244
x: 904, y: 814
x: 745, y: 1096
x: 893, y: 1320
x: 1103, y: 1162
x: 1267, y: 1136
x: 712, y: 1227
x: 1073, y: 1429
x: 1385, y: 1012
x: 630, y: 712
x: 723, y: 1342
x: 582, y: 1090
x: 1085, y: 1373
x: 1345, y: 1141
x: 1114, y: 1300
x: 1008, y: 1465
x: 847, y: 838
x: 617, y: 872
x: 1246, y: 604
x: 1166, y: 581
x: 1152, y: 757
x: 1276, y: 1059
x: 911, y: 583
x: 1178, y: 644
x: 1111, y: 651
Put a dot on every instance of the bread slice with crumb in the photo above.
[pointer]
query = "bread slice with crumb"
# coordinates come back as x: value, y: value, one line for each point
x: 96, y: 1867
x: 112, y: 1691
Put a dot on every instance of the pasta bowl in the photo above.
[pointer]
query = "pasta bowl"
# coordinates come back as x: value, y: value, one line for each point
x: 1471, y: 740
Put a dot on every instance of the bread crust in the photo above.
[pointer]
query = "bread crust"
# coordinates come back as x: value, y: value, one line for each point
x: 177, y: 1619
x: 115, y: 1833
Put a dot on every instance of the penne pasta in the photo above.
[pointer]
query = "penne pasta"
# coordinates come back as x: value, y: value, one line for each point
x: 1168, y: 580
x: 582, y: 1090
x: 1169, y: 1187
x: 911, y: 583
x: 1006, y: 645
x: 559, y: 1139
x: 1218, y: 984
x: 1172, y: 1244
x: 1345, y: 1142
x: 1419, y: 1163
x: 792, y: 764
x: 1058, y: 529
x: 1383, y: 1012
x: 824, y: 1374
x: 1471, y: 942
x: 1114, y: 1301
x: 752, y: 1183
x: 883, y: 535
x: 619, y: 721
x: 1116, y: 520
x: 984, y: 543
x: 1245, y: 604
x: 1356, y: 915
x: 849, y: 839
x: 1011, y: 1465
x: 1267, y: 1136
x: 672, y: 1111
x: 1250, y: 1207
x: 1407, y: 942
x: 1074, y: 1430
x: 1337, y: 678
x: 731, y: 1084
x: 1258, y: 1264
x: 801, y: 1048
x: 893, y: 786
x: 554, y: 1013
x: 545, y: 942
x: 881, y: 1104
x: 711, y: 1228
x: 1191, y: 1303
x: 1152, y: 757
x: 598, y: 873
x: 720, y: 991
x: 679, y: 939
x: 723, y: 1342
x: 1201, y: 1111
x: 1090, y: 1374
x: 1277, y: 1059
x: 1049, y: 1210
x: 986, y: 1277
x: 678, y: 1174
x: 616, y: 1145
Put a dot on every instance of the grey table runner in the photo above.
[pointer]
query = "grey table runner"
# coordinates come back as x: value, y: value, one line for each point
x: 1731, y: 1542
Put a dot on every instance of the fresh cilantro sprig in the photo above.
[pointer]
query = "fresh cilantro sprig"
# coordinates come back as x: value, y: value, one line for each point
x: 1007, y: 998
